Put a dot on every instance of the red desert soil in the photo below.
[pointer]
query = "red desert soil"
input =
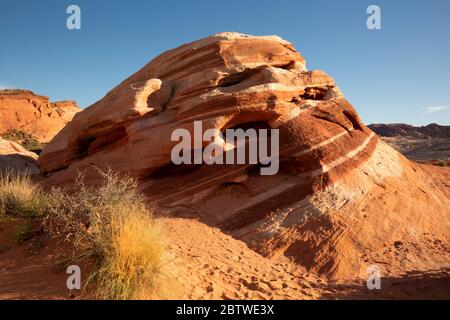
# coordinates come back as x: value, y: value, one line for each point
x: 207, y: 264
x: 29, y: 271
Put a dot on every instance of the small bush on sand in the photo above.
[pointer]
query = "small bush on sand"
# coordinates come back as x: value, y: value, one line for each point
x: 132, y: 262
x: 113, y: 226
x: 109, y: 225
x: 20, y: 196
x: 442, y: 163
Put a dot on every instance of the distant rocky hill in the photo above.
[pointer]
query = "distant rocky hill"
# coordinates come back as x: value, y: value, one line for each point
x: 425, y: 143
x: 405, y: 130
x: 24, y: 112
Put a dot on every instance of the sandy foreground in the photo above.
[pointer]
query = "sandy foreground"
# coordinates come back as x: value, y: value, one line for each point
x: 206, y: 264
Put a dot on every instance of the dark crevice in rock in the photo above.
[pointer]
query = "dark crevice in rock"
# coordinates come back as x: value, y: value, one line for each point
x: 227, y: 184
x: 272, y: 101
x: 91, y: 145
x: 83, y: 146
x: 296, y: 100
x: 250, y: 125
x: 288, y: 66
x: 314, y: 93
x: 160, y: 99
x: 256, y: 125
x: 325, y: 118
x: 235, y: 78
x: 173, y: 170
x: 353, y: 120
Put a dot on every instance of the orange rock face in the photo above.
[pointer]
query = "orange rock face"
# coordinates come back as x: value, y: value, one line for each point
x: 25, y: 111
x: 337, y: 203
x: 225, y: 81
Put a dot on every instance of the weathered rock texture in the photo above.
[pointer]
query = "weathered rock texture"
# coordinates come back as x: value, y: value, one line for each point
x: 25, y: 111
x: 17, y: 160
x: 341, y: 199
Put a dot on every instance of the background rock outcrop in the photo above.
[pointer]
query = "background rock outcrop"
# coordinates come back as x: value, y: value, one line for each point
x: 24, y: 111
x: 426, y: 143
x: 342, y: 199
x: 14, y: 159
x: 430, y: 131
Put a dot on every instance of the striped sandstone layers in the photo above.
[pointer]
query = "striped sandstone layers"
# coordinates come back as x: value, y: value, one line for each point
x: 338, y: 202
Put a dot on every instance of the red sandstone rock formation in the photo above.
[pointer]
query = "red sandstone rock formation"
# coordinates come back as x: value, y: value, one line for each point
x: 342, y: 200
x: 25, y: 111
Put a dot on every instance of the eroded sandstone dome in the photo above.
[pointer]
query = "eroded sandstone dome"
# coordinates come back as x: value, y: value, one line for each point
x: 227, y: 80
x: 336, y: 202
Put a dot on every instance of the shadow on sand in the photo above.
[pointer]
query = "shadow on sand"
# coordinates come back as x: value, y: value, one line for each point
x: 414, y: 285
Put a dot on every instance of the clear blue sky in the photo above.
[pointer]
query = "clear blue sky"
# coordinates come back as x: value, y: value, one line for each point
x: 389, y: 75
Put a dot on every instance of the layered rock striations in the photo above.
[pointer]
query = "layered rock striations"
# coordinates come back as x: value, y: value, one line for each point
x: 225, y: 81
x: 339, y: 200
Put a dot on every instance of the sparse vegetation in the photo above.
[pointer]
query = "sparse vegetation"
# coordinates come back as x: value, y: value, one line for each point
x: 27, y: 140
x: 110, y: 226
x: 23, y: 232
x: 21, y: 197
x: 441, y: 163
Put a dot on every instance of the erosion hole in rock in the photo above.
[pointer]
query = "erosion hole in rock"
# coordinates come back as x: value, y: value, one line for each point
x: 254, y: 120
x: 83, y: 146
x: 314, y: 93
x: 353, y: 120
x: 91, y: 145
x: 159, y: 99
x: 235, y: 78
x: 296, y: 100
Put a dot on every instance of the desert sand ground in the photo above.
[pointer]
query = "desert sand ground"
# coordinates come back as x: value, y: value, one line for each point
x: 206, y: 264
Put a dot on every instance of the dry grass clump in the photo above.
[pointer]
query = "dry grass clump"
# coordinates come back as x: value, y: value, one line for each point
x: 133, y: 262
x: 20, y: 196
x: 109, y: 225
x: 112, y: 225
